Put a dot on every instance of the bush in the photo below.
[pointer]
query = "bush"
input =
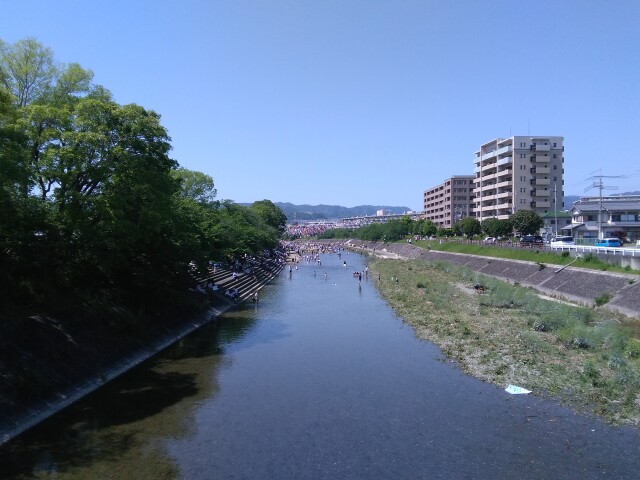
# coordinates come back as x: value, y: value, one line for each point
x: 602, y: 299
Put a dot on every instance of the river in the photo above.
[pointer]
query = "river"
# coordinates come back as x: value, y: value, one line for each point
x: 320, y: 380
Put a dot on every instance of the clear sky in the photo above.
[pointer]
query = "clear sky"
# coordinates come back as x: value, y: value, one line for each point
x: 352, y: 102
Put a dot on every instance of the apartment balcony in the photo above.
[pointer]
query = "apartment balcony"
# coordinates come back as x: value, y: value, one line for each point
x: 538, y: 203
x: 504, y: 206
x: 543, y: 170
x: 542, y: 181
x: 489, y: 155
x: 488, y: 166
x: 488, y: 208
x: 506, y: 183
x: 505, y: 161
x: 542, y: 159
x: 505, y: 149
x: 538, y: 147
x: 503, y: 195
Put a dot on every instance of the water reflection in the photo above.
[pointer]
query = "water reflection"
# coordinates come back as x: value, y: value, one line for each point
x: 116, y: 431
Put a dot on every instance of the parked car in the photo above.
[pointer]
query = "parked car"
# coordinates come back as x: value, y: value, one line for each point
x: 489, y: 240
x: 558, y: 242
x: 609, y: 242
x: 531, y: 240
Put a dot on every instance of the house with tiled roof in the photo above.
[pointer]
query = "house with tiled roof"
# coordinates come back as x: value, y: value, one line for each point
x: 602, y: 217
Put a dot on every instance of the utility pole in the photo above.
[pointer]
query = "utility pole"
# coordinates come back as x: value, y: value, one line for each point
x: 555, y: 206
x: 599, y: 184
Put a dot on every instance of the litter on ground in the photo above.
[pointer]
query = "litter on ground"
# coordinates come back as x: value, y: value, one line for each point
x: 514, y: 390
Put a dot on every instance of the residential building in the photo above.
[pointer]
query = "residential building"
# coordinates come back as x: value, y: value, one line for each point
x: 601, y: 217
x: 450, y: 201
x: 554, y: 223
x: 516, y: 173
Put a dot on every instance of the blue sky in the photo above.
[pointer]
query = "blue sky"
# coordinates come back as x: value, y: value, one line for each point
x: 359, y: 102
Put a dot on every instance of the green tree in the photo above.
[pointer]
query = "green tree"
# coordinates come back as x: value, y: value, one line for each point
x: 195, y: 185
x: 494, y: 227
x: 429, y: 229
x: 26, y: 69
x: 527, y: 222
x: 270, y: 214
x: 469, y: 226
x: 92, y: 207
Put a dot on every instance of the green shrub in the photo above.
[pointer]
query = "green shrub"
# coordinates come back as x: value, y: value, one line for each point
x: 602, y: 299
x: 589, y: 370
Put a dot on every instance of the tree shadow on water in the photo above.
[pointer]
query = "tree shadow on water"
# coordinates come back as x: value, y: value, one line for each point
x: 137, y: 396
x: 30, y: 457
x: 99, y: 428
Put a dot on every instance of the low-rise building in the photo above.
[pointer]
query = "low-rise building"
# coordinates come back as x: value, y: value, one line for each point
x: 554, y: 222
x: 602, y: 217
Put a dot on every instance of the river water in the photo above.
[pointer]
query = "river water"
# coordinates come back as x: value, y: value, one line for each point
x: 320, y: 380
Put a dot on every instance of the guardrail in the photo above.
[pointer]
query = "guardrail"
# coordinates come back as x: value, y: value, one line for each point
x: 623, y: 251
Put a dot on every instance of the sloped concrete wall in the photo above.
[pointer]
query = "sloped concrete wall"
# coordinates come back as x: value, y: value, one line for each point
x: 574, y: 284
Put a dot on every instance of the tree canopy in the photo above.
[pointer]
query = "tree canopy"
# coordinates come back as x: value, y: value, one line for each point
x: 527, y: 222
x: 494, y: 227
x: 91, y: 203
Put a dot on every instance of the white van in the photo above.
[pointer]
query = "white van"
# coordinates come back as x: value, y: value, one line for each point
x: 559, y: 242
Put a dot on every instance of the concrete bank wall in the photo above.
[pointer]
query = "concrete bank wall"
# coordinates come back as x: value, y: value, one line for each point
x: 29, y: 417
x: 32, y: 416
x: 577, y: 285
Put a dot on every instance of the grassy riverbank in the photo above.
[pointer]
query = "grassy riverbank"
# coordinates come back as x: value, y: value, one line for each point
x: 539, y: 255
x: 589, y: 359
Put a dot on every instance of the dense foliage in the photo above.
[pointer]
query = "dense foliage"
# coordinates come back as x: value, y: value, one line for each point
x: 92, y: 207
x: 494, y: 227
x: 468, y: 227
x: 526, y: 222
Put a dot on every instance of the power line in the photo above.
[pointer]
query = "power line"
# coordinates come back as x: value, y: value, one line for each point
x: 597, y: 182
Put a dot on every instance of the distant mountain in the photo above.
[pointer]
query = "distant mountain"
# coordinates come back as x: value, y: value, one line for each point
x: 325, y: 212
x: 569, y: 199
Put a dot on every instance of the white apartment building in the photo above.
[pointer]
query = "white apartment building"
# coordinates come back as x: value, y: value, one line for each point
x: 516, y: 173
x: 450, y: 201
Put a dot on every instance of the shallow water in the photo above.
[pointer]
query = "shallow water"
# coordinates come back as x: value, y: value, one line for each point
x: 320, y: 380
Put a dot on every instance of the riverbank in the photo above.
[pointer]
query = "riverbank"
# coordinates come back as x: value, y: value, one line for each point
x: 576, y: 285
x: 53, y: 364
x: 504, y: 333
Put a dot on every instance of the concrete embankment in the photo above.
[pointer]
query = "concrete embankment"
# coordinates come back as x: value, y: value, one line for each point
x: 577, y: 285
x: 23, y: 417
